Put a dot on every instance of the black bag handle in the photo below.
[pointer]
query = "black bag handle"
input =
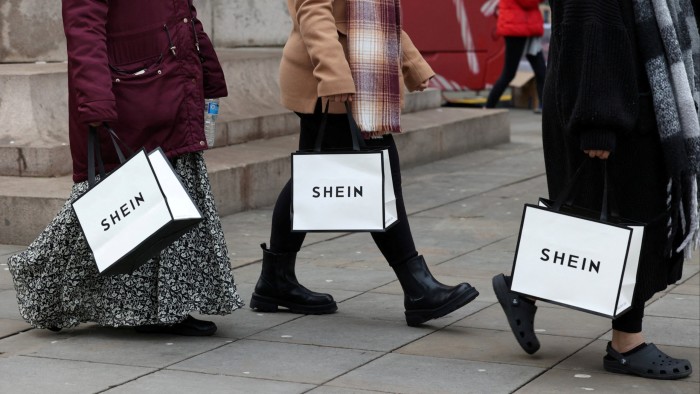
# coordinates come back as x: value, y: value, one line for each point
x: 94, y: 155
x: 358, y: 143
x: 609, y: 206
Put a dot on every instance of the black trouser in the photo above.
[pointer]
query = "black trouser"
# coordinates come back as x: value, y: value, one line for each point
x: 515, y: 46
x: 396, y: 244
x: 630, y: 321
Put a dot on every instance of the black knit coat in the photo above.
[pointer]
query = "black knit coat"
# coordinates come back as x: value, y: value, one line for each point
x: 597, y: 96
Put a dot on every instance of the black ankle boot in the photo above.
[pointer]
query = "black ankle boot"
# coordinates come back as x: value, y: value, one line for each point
x: 424, y: 297
x: 278, y: 286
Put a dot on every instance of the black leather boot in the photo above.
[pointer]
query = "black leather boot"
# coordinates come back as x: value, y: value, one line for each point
x: 278, y: 286
x: 424, y: 297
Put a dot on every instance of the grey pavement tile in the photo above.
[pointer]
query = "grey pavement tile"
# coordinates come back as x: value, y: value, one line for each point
x: 670, y: 331
x: 590, y: 359
x: 675, y: 305
x: 381, y: 306
x: 31, y: 341
x: 347, y: 251
x: 690, y: 286
x: 340, y: 390
x: 41, y: 375
x: 444, y: 238
x: 342, y: 331
x: 549, y: 321
x: 8, y: 305
x: 477, y: 264
x: 6, y: 250
x: 278, y: 361
x: 11, y: 327
x: 189, y: 382
x: 560, y: 381
x: 690, y: 269
x: 5, y: 276
x: 126, y: 347
x: 492, y: 346
x: 400, y: 373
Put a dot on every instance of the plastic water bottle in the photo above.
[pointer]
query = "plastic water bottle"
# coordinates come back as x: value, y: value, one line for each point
x: 211, y: 112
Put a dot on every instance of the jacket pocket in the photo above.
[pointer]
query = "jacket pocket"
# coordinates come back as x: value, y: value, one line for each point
x: 136, y: 52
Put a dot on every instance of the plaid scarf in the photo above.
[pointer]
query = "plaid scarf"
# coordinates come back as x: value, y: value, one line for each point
x: 670, y: 44
x: 374, y: 46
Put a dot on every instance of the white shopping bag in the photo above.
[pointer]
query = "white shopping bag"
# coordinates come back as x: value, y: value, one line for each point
x: 577, y: 261
x: 344, y: 191
x: 135, y: 212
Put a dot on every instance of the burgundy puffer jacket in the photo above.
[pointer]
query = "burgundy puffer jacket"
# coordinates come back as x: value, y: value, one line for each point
x: 520, y: 18
x: 135, y: 64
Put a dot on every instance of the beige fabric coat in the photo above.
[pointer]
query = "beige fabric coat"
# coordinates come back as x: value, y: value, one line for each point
x: 314, y: 61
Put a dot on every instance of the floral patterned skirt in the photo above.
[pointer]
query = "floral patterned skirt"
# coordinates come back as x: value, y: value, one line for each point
x: 58, y: 284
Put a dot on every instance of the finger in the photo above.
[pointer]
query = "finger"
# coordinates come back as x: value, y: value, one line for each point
x: 605, y: 155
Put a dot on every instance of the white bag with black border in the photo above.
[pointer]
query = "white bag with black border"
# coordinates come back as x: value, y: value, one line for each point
x: 134, y: 212
x: 570, y: 257
x: 348, y: 191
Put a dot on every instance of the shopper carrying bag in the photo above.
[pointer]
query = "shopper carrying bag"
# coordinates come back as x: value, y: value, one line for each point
x: 351, y: 51
x: 577, y: 258
x: 139, y: 210
x: 623, y: 86
x: 144, y: 67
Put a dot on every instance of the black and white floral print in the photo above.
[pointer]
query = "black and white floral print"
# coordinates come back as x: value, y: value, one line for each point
x: 58, y: 284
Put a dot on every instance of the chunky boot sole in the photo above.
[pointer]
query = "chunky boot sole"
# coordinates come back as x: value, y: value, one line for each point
x: 269, y: 304
x: 420, y: 316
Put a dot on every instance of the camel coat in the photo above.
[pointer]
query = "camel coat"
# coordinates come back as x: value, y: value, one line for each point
x: 314, y: 61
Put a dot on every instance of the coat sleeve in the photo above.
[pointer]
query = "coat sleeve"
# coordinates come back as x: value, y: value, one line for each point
x: 596, y: 79
x: 84, y: 23
x: 214, y: 80
x: 414, y: 68
x: 320, y: 35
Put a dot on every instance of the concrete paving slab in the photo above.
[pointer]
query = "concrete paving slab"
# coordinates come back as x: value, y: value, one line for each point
x: 689, y: 287
x: 670, y: 331
x: 399, y: 373
x: 343, y: 331
x: 493, y: 346
x: 559, y: 381
x: 6, y: 282
x: 550, y: 321
x: 123, y: 346
x: 589, y: 360
x: 31, y: 341
x: 278, y: 361
x: 8, y: 305
x: 12, y: 326
x: 340, y: 390
x: 42, y: 375
x: 189, y: 382
x: 10, y: 249
x: 675, y: 305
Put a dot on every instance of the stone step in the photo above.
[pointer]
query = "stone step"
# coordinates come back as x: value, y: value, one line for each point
x: 34, y: 110
x: 250, y: 175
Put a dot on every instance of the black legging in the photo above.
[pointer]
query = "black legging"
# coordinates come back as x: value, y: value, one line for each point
x: 396, y: 244
x: 515, y: 46
x: 630, y: 321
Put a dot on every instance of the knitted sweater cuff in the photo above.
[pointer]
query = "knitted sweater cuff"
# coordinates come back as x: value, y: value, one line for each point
x: 598, y: 140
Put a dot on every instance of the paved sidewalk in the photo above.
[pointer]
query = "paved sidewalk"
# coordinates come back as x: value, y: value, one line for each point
x: 465, y: 214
